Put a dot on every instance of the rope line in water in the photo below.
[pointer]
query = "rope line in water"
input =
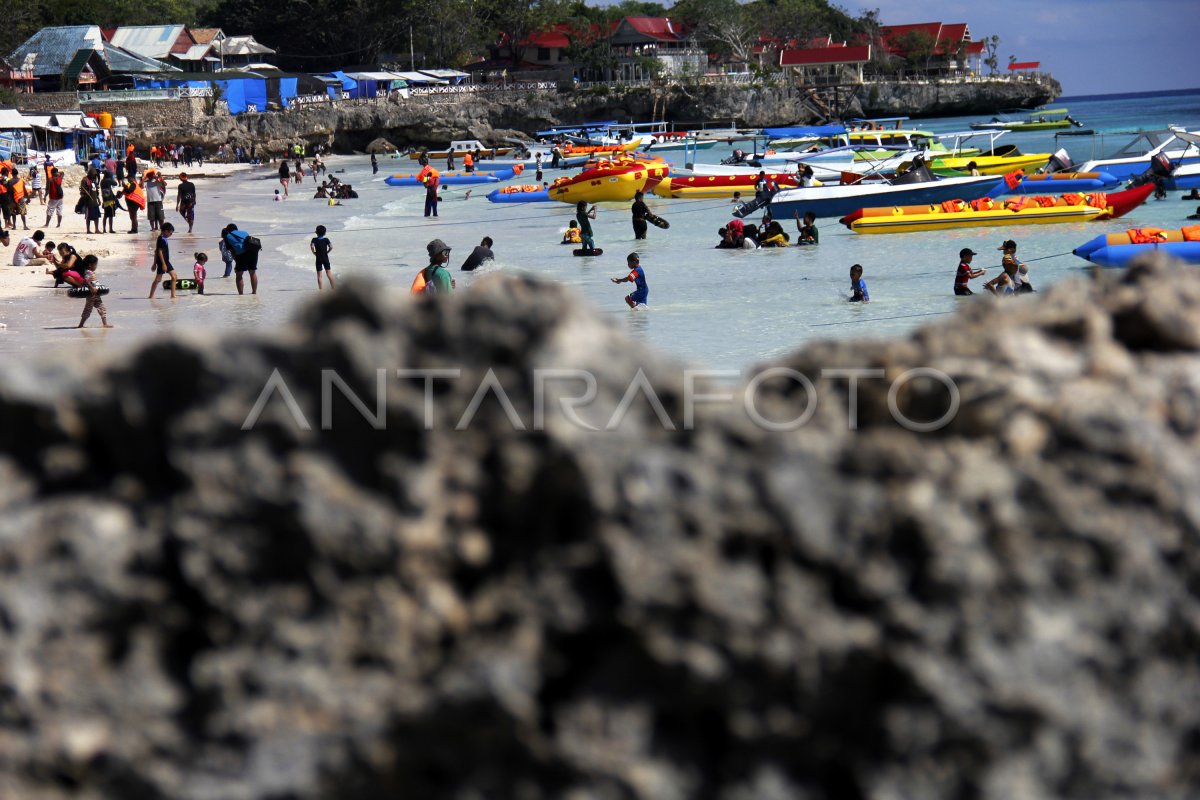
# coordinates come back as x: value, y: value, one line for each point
x: 879, y: 319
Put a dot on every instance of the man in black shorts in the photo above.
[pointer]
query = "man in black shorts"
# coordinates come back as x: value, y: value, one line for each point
x: 245, y: 256
x: 162, y: 260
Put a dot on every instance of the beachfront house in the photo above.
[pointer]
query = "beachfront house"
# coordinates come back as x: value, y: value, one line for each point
x: 835, y: 63
x: 934, y: 48
x: 17, y: 77
x: 645, y: 46
x: 70, y: 57
x: 243, y: 51
x: 173, y: 44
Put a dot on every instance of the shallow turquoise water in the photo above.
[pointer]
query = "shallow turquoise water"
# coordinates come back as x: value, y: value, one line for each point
x: 712, y: 308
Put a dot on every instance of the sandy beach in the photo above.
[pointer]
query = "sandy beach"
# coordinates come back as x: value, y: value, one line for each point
x: 39, y: 318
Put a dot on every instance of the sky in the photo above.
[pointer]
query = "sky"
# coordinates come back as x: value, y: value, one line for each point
x: 1089, y: 46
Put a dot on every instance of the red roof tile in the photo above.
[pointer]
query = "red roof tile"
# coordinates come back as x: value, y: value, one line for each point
x: 661, y: 28
x: 820, y: 56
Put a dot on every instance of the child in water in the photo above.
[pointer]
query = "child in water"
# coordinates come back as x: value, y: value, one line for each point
x: 571, y: 236
x: 640, y: 296
x: 858, y: 286
x: 320, y: 246
x: 198, y: 271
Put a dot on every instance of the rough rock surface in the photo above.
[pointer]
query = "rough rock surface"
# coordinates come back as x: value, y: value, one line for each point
x: 1004, y: 608
x: 935, y: 99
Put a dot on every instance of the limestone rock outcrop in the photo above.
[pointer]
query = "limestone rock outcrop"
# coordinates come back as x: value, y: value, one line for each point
x: 202, y: 596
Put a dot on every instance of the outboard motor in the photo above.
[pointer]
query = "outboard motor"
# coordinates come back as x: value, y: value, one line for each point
x: 1160, y: 167
x: 1059, y: 162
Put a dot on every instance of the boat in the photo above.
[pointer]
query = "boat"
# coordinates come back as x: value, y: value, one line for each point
x: 916, y: 187
x: 696, y: 186
x: 1139, y: 149
x: 988, y: 212
x: 608, y: 184
x: 1055, y: 182
x: 520, y: 193
x: 1044, y: 119
x: 457, y: 178
x: 1118, y: 249
x: 460, y: 147
x: 1184, y: 176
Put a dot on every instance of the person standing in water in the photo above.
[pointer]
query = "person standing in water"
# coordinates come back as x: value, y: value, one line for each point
x: 807, y: 229
x: 285, y: 175
x: 640, y: 212
x: 374, y: 165
x: 321, y: 247
x: 162, y: 260
x: 94, y: 301
x: 637, y: 276
x: 965, y: 272
x: 583, y: 216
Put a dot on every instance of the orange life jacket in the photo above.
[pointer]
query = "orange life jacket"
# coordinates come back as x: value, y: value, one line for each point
x: 418, y: 284
x: 1097, y: 200
x: 1191, y: 233
x: 1017, y: 203
x: 953, y: 206
x: 1073, y: 199
x: 1146, y: 235
x: 1013, y: 178
x: 983, y: 204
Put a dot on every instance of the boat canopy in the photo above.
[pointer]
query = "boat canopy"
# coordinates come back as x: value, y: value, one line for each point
x: 582, y: 126
x: 815, y: 131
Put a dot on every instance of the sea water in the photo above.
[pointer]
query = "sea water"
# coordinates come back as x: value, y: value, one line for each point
x: 714, y: 309
x: 730, y: 309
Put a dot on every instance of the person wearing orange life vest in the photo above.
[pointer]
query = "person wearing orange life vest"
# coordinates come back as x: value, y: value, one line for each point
x: 468, y: 162
x: 20, y: 198
x: 431, y: 179
x: 134, y: 199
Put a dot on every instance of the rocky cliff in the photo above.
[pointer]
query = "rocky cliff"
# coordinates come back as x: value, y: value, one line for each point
x: 491, y: 115
x: 375, y: 599
x: 936, y: 99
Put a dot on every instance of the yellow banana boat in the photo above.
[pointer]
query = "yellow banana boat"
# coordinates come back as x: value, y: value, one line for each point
x: 608, y: 185
x: 1024, y: 210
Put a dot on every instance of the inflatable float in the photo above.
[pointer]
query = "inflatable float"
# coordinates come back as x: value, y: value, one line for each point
x: 457, y: 178
x: 986, y: 211
x: 520, y: 193
x: 1064, y: 182
x: 83, y: 291
x: 718, y: 185
x: 1118, y: 249
x: 608, y: 184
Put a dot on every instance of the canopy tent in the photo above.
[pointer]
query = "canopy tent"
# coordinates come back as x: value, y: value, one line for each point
x: 241, y: 93
x: 370, y: 84
x: 454, y: 76
x: 419, y: 78
x: 815, y: 131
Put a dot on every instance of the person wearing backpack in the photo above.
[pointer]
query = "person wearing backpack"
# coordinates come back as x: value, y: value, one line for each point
x: 245, y: 249
x: 435, y: 278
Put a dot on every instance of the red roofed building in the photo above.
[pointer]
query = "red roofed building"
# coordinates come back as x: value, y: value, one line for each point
x: 637, y: 38
x: 951, y: 45
x: 825, y: 65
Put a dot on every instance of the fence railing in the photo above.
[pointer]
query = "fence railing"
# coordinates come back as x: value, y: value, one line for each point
x: 140, y: 95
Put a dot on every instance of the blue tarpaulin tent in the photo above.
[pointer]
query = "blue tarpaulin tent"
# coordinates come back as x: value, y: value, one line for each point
x: 815, y: 131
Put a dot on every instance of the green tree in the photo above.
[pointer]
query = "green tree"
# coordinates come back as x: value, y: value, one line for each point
x: 917, y: 46
x: 991, y: 45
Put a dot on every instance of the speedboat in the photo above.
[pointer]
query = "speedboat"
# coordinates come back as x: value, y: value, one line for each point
x: 1138, y: 152
x: 918, y: 186
x: 1044, y: 119
x: 1185, y: 176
